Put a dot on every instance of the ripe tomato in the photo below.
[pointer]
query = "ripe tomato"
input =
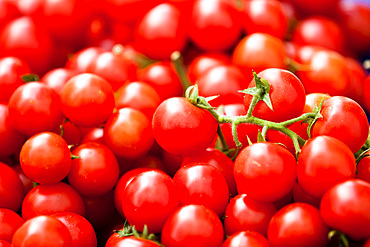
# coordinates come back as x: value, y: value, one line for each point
x: 10, y: 221
x: 45, y: 158
x: 130, y: 241
x: 265, y: 177
x: 323, y: 162
x: 11, y: 188
x: 363, y: 169
x: 87, y: 100
x: 82, y: 59
x: 43, y: 231
x: 298, y: 224
x: 183, y: 129
x: 344, y: 207
x: 56, y: 78
x: 246, y: 238
x: 191, y: 224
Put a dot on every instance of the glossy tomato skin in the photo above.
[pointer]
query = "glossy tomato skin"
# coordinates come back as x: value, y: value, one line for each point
x: 11, y: 188
x: 34, y: 107
x: 160, y: 32
x: 183, y: 129
x: 45, y: 158
x: 10, y: 221
x: 245, y: 213
x: 82, y: 59
x: 246, y: 238
x: 298, y: 224
x: 149, y: 192
x: 56, y: 78
x: 130, y: 241
x: 265, y: 177
x: 343, y: 119
x: 43, y: 231
x: 287, y: 96
x: 128, y: 133
x: 323, y: 162
x: 191, y: 224
x: 87, y: 100
x: 345, y: 207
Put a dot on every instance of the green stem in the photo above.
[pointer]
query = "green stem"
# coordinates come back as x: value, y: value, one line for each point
x: 178, y: 62
x: 222, y: 139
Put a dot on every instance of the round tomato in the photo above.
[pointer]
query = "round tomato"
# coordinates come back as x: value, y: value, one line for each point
x: 246, y: 238
x: 10, y: 221
x: 11, y: 188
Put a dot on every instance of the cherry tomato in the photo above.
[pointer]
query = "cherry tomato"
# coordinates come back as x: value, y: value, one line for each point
x: 56, y: 78
x: 344, y: 207
x: 191, y: 224
x: 10, y: 221
x: 246, y: 238
x: 11, y: 188
x: 130, y: 241
x: 363, y: 169
x: 265, y: 177
x: 183, y: 129
x: 82, y: 59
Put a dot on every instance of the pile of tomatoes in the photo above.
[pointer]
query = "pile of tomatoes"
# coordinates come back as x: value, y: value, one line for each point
x: 184, y: 123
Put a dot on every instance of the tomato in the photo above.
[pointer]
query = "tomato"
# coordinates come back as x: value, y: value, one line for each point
x: 56, y: 78
x: 82, y: 59
x: 47, y: 199
x: 94, y: 135
x: 191, y: 224
x: 314, y: 99
x: 8, y: 11
x: 323, y: 162
x: 250, y: 53
x: 183, y: 129
x: 138, y: 95
x: 34, y: 108
x: 160, y: 32
x: 149, y: 192
x: 200, y: 183
x: 315, y: 6
x: 358, y: 75
x: 130, y: 241
x: 4, y: 243
x: 11, y: 71
x: 245, y: 213
x: 363, y: 169
x: 225, y: 81
x: 298, y: 224
x: 87, y: 100
x: 45, y: 158
x: 265, y: 177
x: 287, y: 96
x: 26, y: 181
x: 344, y: 207
x: 128, y: 133
x: 81, y: 230
x: 42, y: 231
x: 343, y: 119
x: 214, y: 26
x: 10, y: 221
x: 299, y: 195
x: 246, y: 238
x: 11, y: 188
x: 95, y: 171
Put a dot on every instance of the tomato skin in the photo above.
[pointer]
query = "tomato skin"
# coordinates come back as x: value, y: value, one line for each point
x: 96, y: 170
x: 244, y: 213
x: 323, y: 162
x: 10, y: 221
x: 11, y: 188
x: 177, y: 124
x: 344, y: 119
x: 47, y: 199
x: 45, y: 158
x: 87, y: 100
x: 191, y: 224
x: 33, y: 108
x: 246, y: 238
x: 298, y: 224
x: 363, y: 169
x: 43, y: 231
x: 265, y: 177
x: 287, y: 96
x: 82, y: 59
x: 130, y: 241
x: 150, y: 191
x: 56, y: 78
x: 128, y: 133
x: 344, y: 207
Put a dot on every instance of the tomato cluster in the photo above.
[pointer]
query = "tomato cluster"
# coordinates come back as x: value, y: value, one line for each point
x: 184, y: 123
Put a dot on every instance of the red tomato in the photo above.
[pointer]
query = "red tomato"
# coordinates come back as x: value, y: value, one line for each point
x: 345, y: 207
x: 343, y: 119
x: 149, y: 199
x: 245, y: 213
x: 246, y: 238
x: 45, y: 158
x: 81, y: 230
x: 265, y: 177
x: 56, y: 78
x: 11, y: 188
x: 160, y: 32
x: 130, y: 241
x: 10, y: 221
x: 191, y: 224
x: 287, y: 96
x: 183, y: 129
x: 314, y: 99
x: 34, y: 108
x: 128, y: 133
x: 82, y: 59
x: 95, y: 171
x: 87, y: 100
x: 314, y: 6
x: 47, y: 199
x: 323, y: 162
x: 363, y: 169
x: 43, y: 231
x: 298, y: 224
